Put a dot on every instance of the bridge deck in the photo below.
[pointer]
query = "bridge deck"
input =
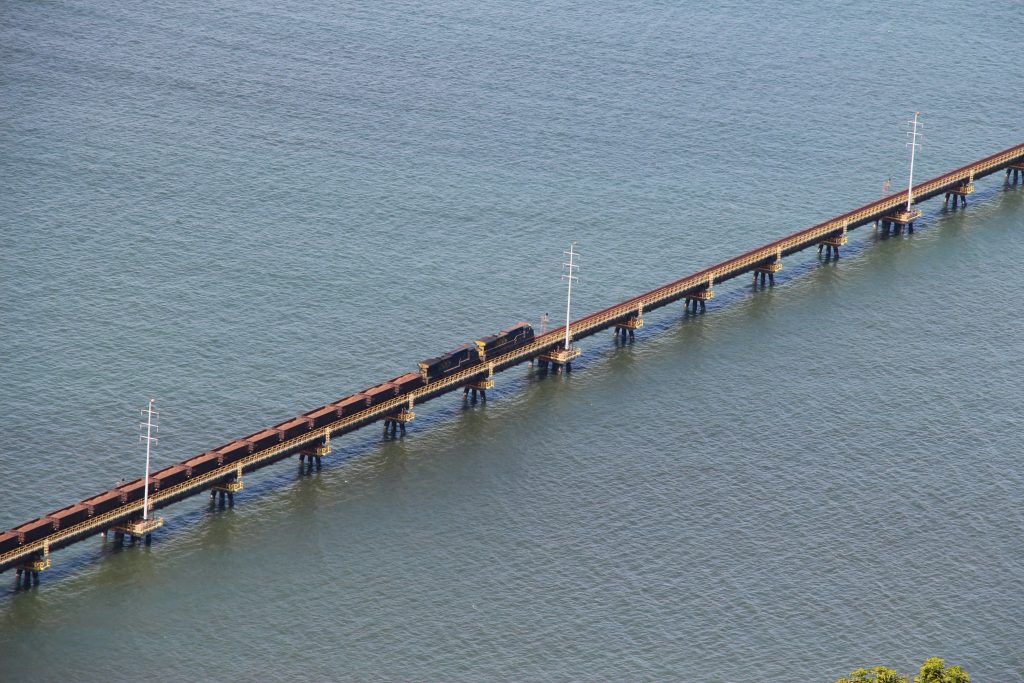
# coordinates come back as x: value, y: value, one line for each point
x: 583, y: 327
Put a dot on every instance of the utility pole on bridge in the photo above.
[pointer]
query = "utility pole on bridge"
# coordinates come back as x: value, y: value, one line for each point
x: 909, y: 214
x: 913, y: 145
x: 564, y: 356
x: 143, y: 528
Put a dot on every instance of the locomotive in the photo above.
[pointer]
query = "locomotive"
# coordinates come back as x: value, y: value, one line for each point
x: 480, y: 351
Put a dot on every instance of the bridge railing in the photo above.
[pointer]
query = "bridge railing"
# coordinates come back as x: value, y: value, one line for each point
x: 582, y: 327
x: 158, y: 499
x: 796, y: 241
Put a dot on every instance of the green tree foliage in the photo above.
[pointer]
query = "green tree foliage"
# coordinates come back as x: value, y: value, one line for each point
x: 878, y: 674
x: 932, y: 671
x: 935, y: 671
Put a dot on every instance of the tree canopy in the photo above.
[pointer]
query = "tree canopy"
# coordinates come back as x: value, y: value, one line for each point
x: 932, y: 671
x: 935, y: 671
x: 878, y: 674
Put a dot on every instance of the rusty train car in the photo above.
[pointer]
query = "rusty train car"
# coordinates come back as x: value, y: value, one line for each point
x: 431, y: 370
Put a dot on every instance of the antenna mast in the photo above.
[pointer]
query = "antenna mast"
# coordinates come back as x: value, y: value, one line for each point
x: 913, y: 145
x: 572, y: 266
x: 151, y: 428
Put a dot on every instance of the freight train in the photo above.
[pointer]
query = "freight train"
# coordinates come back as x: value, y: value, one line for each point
x: 431, y: 370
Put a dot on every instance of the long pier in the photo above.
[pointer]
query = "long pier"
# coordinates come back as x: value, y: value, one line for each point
x: 31, y: 557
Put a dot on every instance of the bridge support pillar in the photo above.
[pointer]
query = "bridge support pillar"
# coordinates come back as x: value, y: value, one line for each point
x: 314, y: 454
x: 832, y: 243
x: 397, y: 422
x: 627, y: 328
x: 479, y: 387
x: 473, y: 392
x: 957, y: 197
x: 899, y: 220
x: 700, y: 299
x: 1015, y: 171
x: 28, y: 572
x: 768, y: 272
x: 701, y: 296
x: 26, y: 578
x: 561, y: 358
x: 960, y: 192
x: 138, y: 530
x: 228, y: 489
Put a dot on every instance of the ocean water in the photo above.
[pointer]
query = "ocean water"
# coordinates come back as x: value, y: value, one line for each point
x: 248, y: 209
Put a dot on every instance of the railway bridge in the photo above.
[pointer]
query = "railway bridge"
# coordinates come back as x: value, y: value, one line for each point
x: 27, y: 548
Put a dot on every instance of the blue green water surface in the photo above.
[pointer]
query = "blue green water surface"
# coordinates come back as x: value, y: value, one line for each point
x: 248, y: 209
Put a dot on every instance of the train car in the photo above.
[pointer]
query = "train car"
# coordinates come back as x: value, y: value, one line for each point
x: 323, y: 416
x: 236, y: 450
x: 201, y: 464
x: 34, y: 530
x: 294, y: 427
x: 265, y: 439
x: 105, y: 502
x: 8, y: 541
x: 132, y: 491
x: 69, y: 516
x: 407, y: 382
x: 350, y: 405
x: 379, y: 394
x: 168, y: 477
x: 505, y: 341
x: 462, y: 358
